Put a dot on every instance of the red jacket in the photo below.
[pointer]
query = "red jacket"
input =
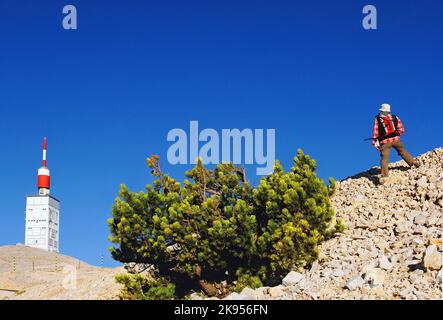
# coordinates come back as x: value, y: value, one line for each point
x: 400, y: 130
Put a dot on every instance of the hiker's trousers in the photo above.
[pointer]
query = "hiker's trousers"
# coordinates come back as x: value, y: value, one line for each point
x: 385, y: 151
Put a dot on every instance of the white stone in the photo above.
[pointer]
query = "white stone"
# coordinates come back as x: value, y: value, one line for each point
x: 326, y: 273
x: 359, y: 198
x: 375, y: 277
x: 314, y: 267
x: 354, y: 283
x: 368, y: 267
x: 420, y: 219
x: 234, y: 296
x: 422, y: 182
x: 433, y: 220
x: 420, y: 295
x: 402, y: 226
x: 248, y: 294
x: 432, y: 259
x: 418, y: 241
x: 292, y: 278
x: 384, y: 263
x: 261, y: 292
x: 404, y: 293
x: 276, y: 292
x: 196, y: 296
x: 338, y: 273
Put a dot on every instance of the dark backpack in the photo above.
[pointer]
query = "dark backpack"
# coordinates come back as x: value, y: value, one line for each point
x: 387, y: 126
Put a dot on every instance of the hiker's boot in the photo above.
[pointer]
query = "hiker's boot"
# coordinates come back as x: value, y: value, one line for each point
x: 416, y: 163
x: 382, y: 180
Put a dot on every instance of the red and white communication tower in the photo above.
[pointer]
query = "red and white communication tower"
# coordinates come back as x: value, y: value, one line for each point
x: 42, y: 213
x: 44, y: 176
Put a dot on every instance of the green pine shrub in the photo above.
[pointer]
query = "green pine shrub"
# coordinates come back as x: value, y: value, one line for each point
x: 216, y: 227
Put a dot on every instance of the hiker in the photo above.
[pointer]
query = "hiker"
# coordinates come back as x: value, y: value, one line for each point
x: 387, y: 131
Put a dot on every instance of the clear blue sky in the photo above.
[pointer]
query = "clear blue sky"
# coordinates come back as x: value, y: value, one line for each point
x: 106, y: 94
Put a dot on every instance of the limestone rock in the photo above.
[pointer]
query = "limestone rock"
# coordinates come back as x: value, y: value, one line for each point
x: 375, y: 277
x: 432, y: 259
x: 420, y: 219
x: 384, y: 263
x: 276, y: 292
x: 196, y: 296
x: 422, y: 182
x: 314, y: 267
x: 354, y: 283
x: 248, y: 294
x: 234, y: 296
x: 402, y: 226
x: 292, y: 279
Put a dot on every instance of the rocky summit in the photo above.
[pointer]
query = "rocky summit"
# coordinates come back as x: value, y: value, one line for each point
x: 392, y: 247
x: 33, y: 274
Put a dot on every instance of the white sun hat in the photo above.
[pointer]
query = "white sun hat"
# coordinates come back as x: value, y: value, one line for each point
x: 385, y: 107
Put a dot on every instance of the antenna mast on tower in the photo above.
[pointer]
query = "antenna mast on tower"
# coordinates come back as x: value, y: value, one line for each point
x: 44, y: 179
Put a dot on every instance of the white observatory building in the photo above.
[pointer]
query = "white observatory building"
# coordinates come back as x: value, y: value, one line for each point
x: 43, y: 213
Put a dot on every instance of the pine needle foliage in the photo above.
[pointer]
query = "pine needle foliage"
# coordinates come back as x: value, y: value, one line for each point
x: 215, y: 228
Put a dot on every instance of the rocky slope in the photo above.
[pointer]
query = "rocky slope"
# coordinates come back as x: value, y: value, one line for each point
x: 28, y: 273
x: 392, y: 248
